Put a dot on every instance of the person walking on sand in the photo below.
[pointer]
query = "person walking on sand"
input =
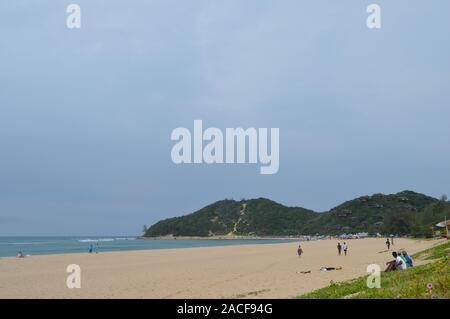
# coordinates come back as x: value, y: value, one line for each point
x: 388, y: 243
x: 339, y: 247
x: 299, y: 250
x: 392, y: 240
x: 345, y: 248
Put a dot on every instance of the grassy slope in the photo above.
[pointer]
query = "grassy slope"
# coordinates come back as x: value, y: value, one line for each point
x: 411, y: 283
x: 436, y: 252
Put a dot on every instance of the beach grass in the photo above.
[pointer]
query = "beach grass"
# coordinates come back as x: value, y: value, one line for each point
x: 413, y: 283
x: 436, y: 252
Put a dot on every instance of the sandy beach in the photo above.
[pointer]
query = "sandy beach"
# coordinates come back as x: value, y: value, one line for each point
x: 248, y: 271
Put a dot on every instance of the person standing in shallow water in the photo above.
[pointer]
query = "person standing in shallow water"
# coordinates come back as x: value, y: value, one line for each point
x: 339, y: 247
x: 345, y: 248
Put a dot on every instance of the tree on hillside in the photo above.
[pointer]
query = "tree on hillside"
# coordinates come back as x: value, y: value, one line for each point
x: 439, y: 207
x: 444, y: 198
x: 397, y: 224
x: 144, y: 229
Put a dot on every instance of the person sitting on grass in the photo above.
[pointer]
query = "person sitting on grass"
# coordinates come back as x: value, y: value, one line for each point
x: 395, y: 264
x: 403, y: 258
x: 400, y: 263
x: 409, y: 262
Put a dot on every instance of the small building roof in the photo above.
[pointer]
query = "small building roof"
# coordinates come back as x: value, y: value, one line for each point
x: 443, y: 224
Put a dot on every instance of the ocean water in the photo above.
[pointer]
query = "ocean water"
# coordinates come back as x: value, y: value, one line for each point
x: 10, y: 246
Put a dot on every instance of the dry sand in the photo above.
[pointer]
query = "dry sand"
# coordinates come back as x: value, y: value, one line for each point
x: 248, y: 271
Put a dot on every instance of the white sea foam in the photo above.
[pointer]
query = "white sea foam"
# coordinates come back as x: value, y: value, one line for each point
x: 88, y: 240
x: 28, y: 243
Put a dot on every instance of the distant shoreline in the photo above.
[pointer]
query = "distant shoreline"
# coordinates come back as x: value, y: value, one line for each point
x: 236, y: 237
x: 219, y: 238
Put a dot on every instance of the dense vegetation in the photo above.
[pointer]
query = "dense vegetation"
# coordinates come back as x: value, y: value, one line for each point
x: 409, y: 284
x: 404, y: 213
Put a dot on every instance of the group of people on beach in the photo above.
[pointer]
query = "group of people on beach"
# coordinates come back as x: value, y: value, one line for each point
x: 342, y: 247
x: 401, y: 261
x: 92, y: 250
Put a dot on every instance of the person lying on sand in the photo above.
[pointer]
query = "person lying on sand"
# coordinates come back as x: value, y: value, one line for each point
x: 330, y: 268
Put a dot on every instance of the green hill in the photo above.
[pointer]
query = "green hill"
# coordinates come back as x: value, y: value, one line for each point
x: 404, y: 213
x: 259, y: 217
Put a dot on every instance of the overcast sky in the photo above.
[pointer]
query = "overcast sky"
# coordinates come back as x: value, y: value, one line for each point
x: 86, y: 115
